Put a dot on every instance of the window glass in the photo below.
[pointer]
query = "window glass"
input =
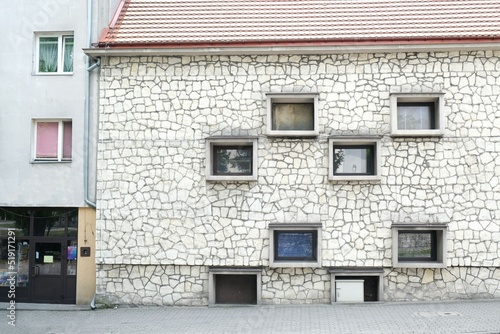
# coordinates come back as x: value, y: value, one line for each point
x: 68, y: 54
x: 232, y: 160
x: 14, y: 218
x: 49, y: 223
x: 48, y: 54
x: 414, y: 116
x: 67, y: 140
x: 417, y: 246
x: 18, y: 263
x: 72, y: 256
x: 46, y: 139
x: 295, y: 245
x: 293, y: 116
x: 350, y: 159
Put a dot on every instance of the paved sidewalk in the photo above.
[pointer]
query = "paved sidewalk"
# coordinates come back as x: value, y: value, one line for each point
x: 420, y: 317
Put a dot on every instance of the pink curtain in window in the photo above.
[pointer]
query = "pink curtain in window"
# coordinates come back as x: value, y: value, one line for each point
x: 67, y: 140
x: 46, y: 139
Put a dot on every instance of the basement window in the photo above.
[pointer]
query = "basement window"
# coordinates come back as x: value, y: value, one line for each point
x: 235, y: 285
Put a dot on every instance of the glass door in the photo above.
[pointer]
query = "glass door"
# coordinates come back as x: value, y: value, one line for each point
x: 47, y: 272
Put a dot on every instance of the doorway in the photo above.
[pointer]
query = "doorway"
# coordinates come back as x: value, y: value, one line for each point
x: 40, y: 247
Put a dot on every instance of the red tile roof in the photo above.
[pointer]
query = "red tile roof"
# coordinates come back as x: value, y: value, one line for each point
x: 173, y: 23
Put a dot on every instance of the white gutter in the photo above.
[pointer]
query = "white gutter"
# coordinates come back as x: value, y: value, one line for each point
x: 270, y: 50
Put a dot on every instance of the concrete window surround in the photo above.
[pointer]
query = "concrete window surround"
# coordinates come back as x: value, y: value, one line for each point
x: 61, y: 36
x: 290, y: 227
x: 440, y: 245
x: 291, y: 98
x: 214, y: 271
x: 439, y: 114
x: 212, y: 142
x: 62, y: 139
x: 373, y: 141
x: 356, y: 271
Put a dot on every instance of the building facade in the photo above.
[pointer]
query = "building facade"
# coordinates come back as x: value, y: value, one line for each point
x: 268, y: 173
x: 47, y: 139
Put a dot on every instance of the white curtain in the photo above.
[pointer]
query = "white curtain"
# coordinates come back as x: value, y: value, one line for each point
x: 48, y: 54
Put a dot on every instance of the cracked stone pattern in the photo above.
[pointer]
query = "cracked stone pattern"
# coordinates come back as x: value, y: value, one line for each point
x: 156, y: 210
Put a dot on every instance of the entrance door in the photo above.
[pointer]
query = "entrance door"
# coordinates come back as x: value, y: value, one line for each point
x: 39, y: 247
x: 47, y: 273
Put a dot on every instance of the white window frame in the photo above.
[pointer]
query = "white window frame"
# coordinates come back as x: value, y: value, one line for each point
x: 60, y: 52
x: 231, y: 141
x: 60, y: 140
x: 439, y: 115
x: 354, y: 141
x: 291, y: 98
x: 273, y: 227
x: 441, y: 242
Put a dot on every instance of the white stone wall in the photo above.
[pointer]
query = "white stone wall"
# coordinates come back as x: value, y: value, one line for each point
x: 155, y: 207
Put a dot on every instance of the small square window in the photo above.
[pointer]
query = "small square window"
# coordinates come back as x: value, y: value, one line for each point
x: 354, y: 158
x: 417, y: 114
x: 292, y: 115
x: 231, y: 159
x: 53, y: 140
x: 419, y: 246
x: 295, y: 245
x: 54, y: 54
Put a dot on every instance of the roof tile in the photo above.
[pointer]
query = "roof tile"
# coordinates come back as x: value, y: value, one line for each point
x: 174, y: 22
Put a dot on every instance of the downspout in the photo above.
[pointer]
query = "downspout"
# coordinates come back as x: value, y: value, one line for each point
x: 86, y: 120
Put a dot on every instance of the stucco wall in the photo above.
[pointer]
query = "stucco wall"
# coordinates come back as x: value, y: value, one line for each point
x: 156, y: 208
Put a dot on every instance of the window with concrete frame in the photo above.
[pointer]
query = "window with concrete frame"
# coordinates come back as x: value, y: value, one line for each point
x: 292, y: 115
x: 417, y: 115
x: 54, y: 53
x: 354, y: 158
x: 231, y: 158
x: 295, y: 245
x: 53, y: 140
x: 419, y: 245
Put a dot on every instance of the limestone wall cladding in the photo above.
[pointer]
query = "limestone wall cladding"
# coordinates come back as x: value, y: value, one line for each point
x: 156, y: 208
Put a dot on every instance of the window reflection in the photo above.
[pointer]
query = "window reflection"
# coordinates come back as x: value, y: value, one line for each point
x: 18, y: 265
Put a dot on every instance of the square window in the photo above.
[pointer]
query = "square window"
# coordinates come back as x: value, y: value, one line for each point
x: 419, y: 245
x: 417, y: 115
x: 231, y: 159
x: 54, y: 54
x: 295, y: 245
x: 53, y: 140
x: 292, y: 115
x: 355, y: 158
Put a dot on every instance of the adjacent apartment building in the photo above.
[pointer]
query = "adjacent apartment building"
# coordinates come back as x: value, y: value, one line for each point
x: 47, y: 142
x: 275, y: 152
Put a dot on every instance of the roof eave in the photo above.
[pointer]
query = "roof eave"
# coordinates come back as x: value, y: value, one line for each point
x: 387, y: 46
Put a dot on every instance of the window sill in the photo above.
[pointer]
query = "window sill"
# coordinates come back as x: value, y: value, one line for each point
x: 230, y: 178
x: 295, y: 264
x: 415, y: 264
x: 36, y: 162
x: 375, y: 178
x: 51, y: 74
x: 295, y: 134
x: 418, y: 133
